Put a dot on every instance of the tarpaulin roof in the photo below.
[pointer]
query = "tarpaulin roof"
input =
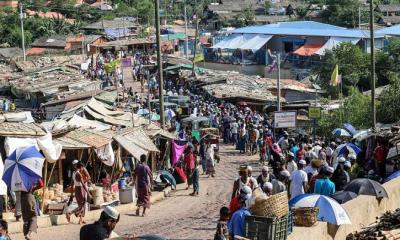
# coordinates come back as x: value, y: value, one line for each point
x: 99, y: 112
x: 335, y: 41
x: 303, y: 28
x: 308, y: 49
x: 69, y: 143
x: 136, y: 142
x: 243, y: 41
x: 130, y: 147
x: 139, y: 138
x: 86, y: 123
x: 153, y: 130
x: 173, y: 36
x: 394, y: 30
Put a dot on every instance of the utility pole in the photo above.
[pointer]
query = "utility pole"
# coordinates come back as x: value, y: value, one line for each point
x: 186, y: 34
x: 278, y: 82
x: 21, y: 16
x: 195, y: 44
x: 371, y: 23
x: 159, y: 63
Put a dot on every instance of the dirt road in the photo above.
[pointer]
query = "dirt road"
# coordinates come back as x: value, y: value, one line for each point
x: 179, y: 216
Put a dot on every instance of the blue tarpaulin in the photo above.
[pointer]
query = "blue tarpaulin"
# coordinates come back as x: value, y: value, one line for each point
x: 303, y: 28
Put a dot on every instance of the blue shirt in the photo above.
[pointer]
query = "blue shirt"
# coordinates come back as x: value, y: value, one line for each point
x: 294, y: 150
x: 324, y: 186
x: 236, y: 224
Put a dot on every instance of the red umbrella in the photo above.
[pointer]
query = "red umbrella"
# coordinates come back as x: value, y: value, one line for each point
x: 242, y: 103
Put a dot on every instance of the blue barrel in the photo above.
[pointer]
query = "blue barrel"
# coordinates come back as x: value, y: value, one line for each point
x: 122, y: 183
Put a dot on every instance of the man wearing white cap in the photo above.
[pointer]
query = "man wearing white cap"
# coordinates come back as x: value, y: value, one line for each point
x: 325, y: 186
x: 102, y: 228
x: 291, y: 165
x: 298, y: 180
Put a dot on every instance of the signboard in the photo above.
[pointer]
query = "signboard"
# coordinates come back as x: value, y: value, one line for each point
x: 314, y: 112
x: 286, y: 119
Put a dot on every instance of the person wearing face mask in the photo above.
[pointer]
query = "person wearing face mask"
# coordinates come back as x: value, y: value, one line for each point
x: 103, y: 228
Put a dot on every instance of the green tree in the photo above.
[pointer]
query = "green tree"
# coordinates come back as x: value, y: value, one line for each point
x: 302, y: 11
x: 353, y: 66
x: 245, y: 17
x: 388, y: 63
x: 145, y: 10
x: 342, y: 12
x: 389, y: 104
x: 355, y: 110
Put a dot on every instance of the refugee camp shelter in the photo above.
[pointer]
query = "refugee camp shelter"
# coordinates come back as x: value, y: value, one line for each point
x: 115, y: 28
x: 249, y: 49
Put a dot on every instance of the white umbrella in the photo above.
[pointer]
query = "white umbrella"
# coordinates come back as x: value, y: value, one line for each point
x: 329, y: 209
x: 23, y: 168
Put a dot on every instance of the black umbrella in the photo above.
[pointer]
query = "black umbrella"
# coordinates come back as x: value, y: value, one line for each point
x: 344, y: 196
x: 365, y: 186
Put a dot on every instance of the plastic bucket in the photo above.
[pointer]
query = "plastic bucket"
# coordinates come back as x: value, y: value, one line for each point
x: 122, y: 183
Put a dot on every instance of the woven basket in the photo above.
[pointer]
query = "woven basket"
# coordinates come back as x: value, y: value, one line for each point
x: 305, y: 217
x: 274, y: 206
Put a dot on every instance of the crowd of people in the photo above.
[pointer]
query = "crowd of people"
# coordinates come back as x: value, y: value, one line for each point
x: 291, y: 163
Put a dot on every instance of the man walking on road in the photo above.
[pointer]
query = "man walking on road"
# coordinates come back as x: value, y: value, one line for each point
x: 298, y: 180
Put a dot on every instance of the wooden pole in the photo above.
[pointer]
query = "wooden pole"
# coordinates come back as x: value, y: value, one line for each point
x: 45, y: 182
x: 60, y: 173
x: 51, y: 172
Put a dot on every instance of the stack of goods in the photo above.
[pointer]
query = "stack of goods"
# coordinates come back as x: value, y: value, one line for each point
x: 273, y: 206
x: 54, y: 194
x: 386, y: 227
x: 54, y: 197
x: 102, y: 195
x: 270, y: 217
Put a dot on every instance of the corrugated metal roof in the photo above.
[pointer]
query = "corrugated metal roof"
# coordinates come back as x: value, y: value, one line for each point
x: 310, y: 29
x: 395, y: 31
x: 88, y: 137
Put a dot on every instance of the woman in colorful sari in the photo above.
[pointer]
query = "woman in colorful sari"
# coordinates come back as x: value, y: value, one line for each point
x: 143, y: 185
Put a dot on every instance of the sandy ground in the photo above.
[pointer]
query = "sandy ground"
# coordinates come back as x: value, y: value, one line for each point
x: 179, y: 216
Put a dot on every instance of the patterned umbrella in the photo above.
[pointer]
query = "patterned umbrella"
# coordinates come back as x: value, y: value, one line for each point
x: 339, y: 132
x: 23, y: 168
x: 329, y: 210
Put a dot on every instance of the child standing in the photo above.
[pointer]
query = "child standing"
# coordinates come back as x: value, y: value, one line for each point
x: 222, y: 226
x: 195, y: 179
